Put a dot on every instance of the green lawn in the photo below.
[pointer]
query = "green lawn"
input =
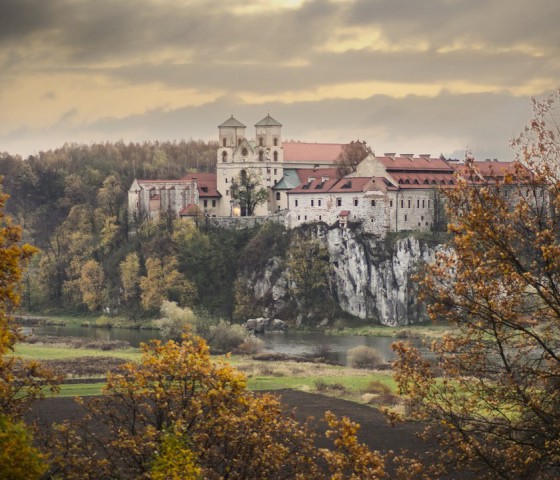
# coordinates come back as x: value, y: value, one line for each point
x: 46, y: 352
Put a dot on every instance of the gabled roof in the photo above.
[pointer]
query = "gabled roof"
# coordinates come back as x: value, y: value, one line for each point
x: 268, y: 121
x: 492, y: 171
x: 206, y: 184
x: 423, y: 180
x: 191, y: 210
x: 232, y: 122
x: 411, y: 163
x: 311, y: 152
x: 289, y: 180
x: 310, y: 180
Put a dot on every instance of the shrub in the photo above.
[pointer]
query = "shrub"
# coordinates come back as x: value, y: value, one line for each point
x: 175, y: 320
x: 378, y: 387
x: 364, y: 357
x: 251, y: 345
x: 104, y: 322
x: 226, y: 337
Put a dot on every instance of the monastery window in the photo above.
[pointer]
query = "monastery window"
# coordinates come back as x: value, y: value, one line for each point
x: 373, y: 203
x: 224, y: 157
x: 305, y: 218
x: 406, y: 218
x: 277, y: 195
x: 244, y: 152
x: 275, y: 155
x: 312, y: 202
x: 421, y: 218
x: 227, y: 193
x: 226, y: 179
x: 298, y: 217
x: 320, y: 218
x: 275, y: 142
x: 402, y: 203
x: 224, y: 142
x: 423, y: 203
x: 205, y: 203
x: 355, y: 202
x: 261, y: 156
x: 319, y: 202
x: 409, y: 203
x: 238, y: 141
x: 260, y: 141
x: 391, y: 203
x: 268, y: 170
x: 417, y: 203
x: 275, y: 171
x: 429, y: 204
x: 214, y: 203
x: 296, y: 203
x: 339, y: 202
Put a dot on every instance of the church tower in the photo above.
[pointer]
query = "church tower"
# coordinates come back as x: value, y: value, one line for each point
x: 268, y: 137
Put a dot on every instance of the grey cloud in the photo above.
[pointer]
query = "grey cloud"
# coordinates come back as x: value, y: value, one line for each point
x: 484, y: 122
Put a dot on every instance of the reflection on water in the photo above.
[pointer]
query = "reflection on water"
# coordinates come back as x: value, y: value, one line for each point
x: 291, y: 342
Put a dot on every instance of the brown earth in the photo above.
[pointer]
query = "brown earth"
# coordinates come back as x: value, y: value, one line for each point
x: 374, y: 431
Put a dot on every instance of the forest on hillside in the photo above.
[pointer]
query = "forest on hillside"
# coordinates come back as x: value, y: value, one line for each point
x: 72, y: 204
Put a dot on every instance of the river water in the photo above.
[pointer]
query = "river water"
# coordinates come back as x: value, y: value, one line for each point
x: 291, y: 342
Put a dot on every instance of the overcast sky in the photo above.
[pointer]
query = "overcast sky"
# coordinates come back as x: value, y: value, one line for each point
x: 423, y: 76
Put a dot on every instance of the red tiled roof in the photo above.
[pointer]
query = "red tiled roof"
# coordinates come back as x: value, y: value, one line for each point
x: 311, y: 152
x: 344, y: 213
x: 206, y: 184
x: 424, y: 180
x: 191, y: 210
x: 415, y: 163
x: 350, y: 184
x: 493, y: 170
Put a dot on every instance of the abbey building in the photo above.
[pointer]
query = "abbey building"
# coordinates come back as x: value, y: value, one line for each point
x: 265, y: 175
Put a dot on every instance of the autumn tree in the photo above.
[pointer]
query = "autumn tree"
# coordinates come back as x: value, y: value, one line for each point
x: 178, y: 407
x: 247, y: 189
x: 92, y: 281
x: 350, y: 156
x: 496, y: 408
x: 21, y: 382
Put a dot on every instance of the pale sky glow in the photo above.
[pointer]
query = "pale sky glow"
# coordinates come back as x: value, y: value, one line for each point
x: 425, y: 77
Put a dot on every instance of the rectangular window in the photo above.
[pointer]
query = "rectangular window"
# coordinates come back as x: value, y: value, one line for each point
x: 402, y: 203
x: 298, y: 217
x: 226, y: 180
x: 312, y: 202
x: 373, y: 203
x: 320, y: 218
x: 423, y: 203
x: 391, y: 203
x: 227, y: 192
x: 319, y: 202
x: 296, y: 203
x: 409, y: 204
x: 429, y: 204
x: 275, y: 171
x: 417, y: 203
x: 405, y: 218
x: 205, y: 203
x: 213, y: 203
x: 339, y: 202
x: 355, y: 202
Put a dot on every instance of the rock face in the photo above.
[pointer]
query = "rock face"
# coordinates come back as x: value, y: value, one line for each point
x: 264, y: 325
x: 370, y: 278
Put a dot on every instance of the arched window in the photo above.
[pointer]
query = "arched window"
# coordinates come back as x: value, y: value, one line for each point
x: 277, y: 195
x: 224, y: 141
x: 275, y: 156
x: 261, y: 156
x: 224, y: 156
x: 244, y: 152
x: 275, y: 142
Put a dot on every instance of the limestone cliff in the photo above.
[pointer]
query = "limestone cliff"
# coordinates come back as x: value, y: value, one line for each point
x: 369, y: 278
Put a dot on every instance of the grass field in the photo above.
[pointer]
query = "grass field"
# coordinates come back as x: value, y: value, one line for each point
x: 343, y: 382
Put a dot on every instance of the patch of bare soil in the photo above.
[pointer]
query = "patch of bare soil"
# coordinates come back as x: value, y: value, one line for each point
x: 84, y: 366
x: 77, y: 342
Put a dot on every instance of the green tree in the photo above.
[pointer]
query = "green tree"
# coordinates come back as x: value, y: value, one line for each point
x: 307, y: 269
x: 247, y: 189
x: 492, y: 398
